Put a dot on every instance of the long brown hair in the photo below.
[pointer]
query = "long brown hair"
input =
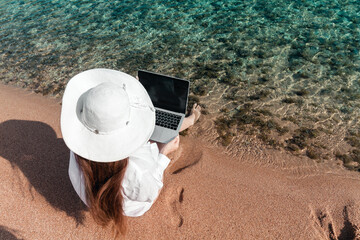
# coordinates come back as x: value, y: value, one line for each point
x: 103, y: 191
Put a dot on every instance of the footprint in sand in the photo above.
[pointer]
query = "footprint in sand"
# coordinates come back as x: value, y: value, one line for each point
x: 323, y: 224
x: 324, y: 227
x: 175, y: 198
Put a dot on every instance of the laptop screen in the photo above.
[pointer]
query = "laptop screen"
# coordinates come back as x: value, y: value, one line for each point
x: 166, y: 92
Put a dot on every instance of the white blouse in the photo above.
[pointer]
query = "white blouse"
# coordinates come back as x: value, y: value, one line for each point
x: 142, y: 181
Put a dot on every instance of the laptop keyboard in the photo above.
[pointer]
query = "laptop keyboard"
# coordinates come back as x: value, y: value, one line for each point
x: 167, y: 120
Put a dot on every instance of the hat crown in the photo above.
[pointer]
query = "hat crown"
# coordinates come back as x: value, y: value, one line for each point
x: 106, y: 108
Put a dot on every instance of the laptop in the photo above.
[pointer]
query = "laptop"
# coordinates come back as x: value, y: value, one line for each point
x: 170, y: 97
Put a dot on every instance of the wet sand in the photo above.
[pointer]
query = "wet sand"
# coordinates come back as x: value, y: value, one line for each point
x: 257, y: 193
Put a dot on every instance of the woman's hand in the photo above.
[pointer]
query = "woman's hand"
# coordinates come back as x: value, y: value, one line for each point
x: 172, y: 146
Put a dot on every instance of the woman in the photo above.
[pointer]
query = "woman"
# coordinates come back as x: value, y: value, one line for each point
x: 107, y: 119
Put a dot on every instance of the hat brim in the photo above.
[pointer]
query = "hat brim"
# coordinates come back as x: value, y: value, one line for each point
x: 116, y: 145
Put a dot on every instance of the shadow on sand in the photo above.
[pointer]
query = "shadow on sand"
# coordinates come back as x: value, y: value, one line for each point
x: 34, y: 148
x: 8, y: 234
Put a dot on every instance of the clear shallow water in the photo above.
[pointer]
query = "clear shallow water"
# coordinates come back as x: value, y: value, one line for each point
x: 295, y: 64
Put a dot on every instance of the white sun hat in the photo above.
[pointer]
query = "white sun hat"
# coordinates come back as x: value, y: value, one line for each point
x: 106, y: 115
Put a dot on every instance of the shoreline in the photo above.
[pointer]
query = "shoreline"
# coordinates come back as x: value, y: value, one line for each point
x: 259, y: 193
x: 254, y: 125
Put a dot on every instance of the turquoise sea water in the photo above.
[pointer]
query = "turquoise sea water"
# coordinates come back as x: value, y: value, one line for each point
x: 286, y: 71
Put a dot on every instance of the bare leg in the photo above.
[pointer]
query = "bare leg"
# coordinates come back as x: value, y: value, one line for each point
x: 190, y: 120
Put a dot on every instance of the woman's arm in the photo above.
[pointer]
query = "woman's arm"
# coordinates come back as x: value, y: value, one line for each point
x: 167, y: 148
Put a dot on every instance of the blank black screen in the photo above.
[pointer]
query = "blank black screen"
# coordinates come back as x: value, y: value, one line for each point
x: 166, y: 92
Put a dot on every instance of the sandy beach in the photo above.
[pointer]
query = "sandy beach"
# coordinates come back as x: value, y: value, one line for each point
x: 258, y: 193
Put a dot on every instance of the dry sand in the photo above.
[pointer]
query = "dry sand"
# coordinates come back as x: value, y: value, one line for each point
x: 207, y: 194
